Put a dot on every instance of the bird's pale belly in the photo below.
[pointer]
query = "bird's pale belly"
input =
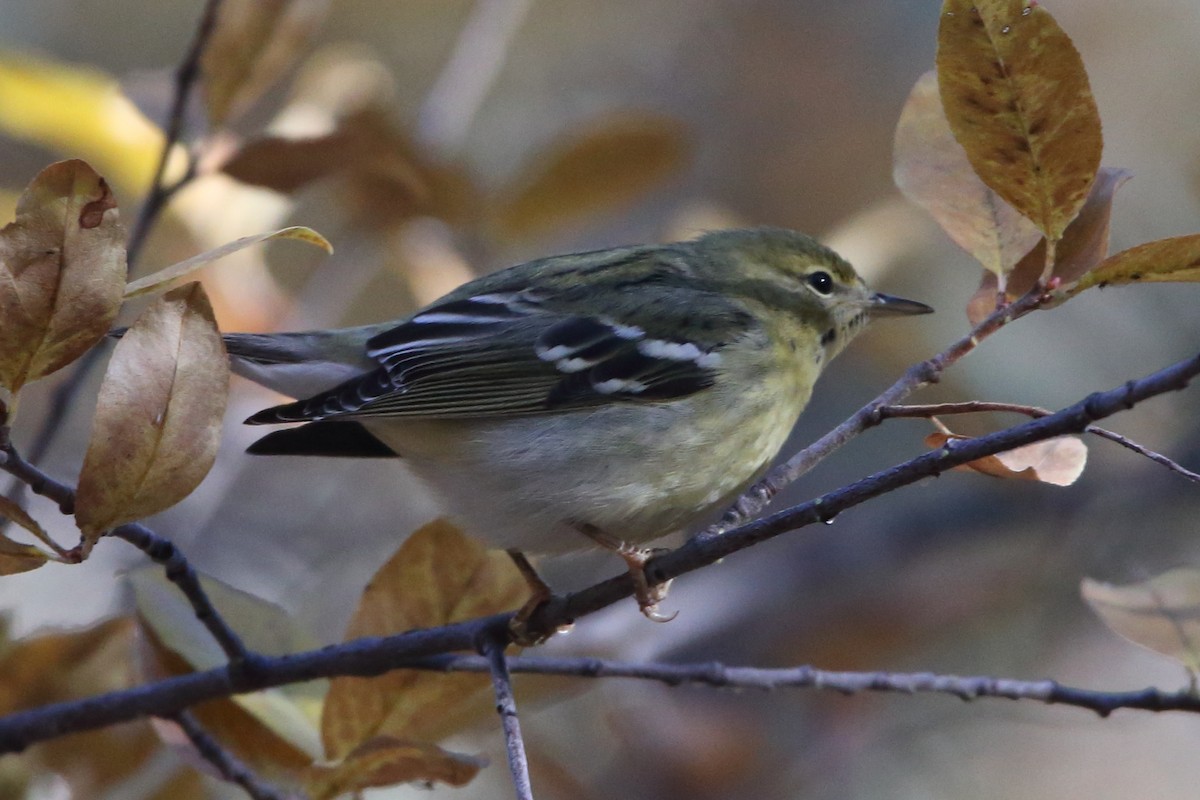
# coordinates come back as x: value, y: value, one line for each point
x: 529, y: 482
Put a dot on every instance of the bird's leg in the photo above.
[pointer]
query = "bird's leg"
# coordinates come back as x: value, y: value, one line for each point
x: 648, y: 595
x: 539, y: 593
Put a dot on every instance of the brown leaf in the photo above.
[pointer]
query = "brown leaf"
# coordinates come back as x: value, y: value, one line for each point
x: 1083, y: 246
x: 1161, y: 614
x: 1172, y: 260
x: 1017, y: 98
x: 14, y: 556
x: 932, y: 170
x: 253, y: 44
x: 385, y: 175
x: 385, y: 761
x: 1058, y: 461
x: 598, y: 169
x: 62, y: 263
x: 437, y: 576
x: 288, y: 164
x: 158, y: 415
x: 167, y: 276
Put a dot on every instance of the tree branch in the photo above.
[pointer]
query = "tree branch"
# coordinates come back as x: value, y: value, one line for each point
x: 496, y: 662
x: 720, y: 676
x: 373, y: 656
x: 980, y: 406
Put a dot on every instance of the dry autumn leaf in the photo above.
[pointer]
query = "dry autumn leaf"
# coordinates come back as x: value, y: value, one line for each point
x: 166, y: 277
x: 1018, y: 100
x: 383, y: 177
x: 62, y: 265
x: 437, y: 576
x: 385, y: 761
x: 1083, y: 246
x: 158, y: 414
x: 602, y: 167
x: 14, y: 556
x: 933, y: 171
x: 253, y: 45
x: 1161, y: 614
x: 1172, y: 260
x: 1058, y: 461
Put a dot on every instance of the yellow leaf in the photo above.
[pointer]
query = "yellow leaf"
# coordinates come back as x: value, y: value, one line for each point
x: 254, y: 43
x: 599, y: 169
x: 385, y: 761
x: 1164, y: 261
x: 78, y: 112
x: 62, y: 265
x: 437, y: 576
x: 1017, y: 98
x: 1161, y: 614
x: 1083, y: 246
x: 168, y: 276
x: 158, y: 415
x: 932, y: 170
x: 1058, y: 461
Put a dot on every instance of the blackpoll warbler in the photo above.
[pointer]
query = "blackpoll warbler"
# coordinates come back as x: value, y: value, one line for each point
x: 608, y: 397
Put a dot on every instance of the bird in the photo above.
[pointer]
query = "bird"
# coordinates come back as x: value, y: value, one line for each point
x: 605, y: 398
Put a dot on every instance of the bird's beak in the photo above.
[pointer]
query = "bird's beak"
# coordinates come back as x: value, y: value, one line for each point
x: 885, y: 305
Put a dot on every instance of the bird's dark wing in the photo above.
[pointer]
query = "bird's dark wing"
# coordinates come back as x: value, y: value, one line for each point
x: 502, y: 353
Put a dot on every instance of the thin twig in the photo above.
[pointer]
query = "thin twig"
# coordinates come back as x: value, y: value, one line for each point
x: 227, y: 764
x: 161, y: 550
x: 374, y: 656
x: 179, y: 572
x: 980, y: 406
x: 496, y: 662
x: 758, y: 496
x: 726, y: 677
x: 186, y: 75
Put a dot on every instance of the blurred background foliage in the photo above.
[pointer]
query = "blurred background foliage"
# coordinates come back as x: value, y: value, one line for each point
x: 446, y: 139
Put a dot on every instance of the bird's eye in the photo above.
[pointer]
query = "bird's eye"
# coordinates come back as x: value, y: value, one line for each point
x: 821, y: 281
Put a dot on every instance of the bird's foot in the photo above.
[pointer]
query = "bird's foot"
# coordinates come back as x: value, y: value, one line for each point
x: 539, y: 593
x: 648, y: 594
